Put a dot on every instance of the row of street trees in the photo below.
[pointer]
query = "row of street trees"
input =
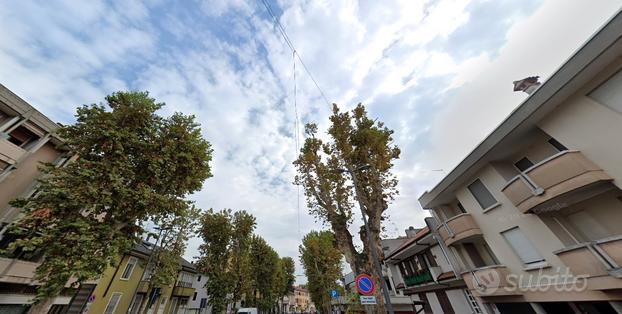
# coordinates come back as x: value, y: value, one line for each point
x: 241, y: 265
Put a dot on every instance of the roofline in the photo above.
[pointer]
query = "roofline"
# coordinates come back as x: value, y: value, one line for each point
x: 592, y: 49
x: 424, y: 232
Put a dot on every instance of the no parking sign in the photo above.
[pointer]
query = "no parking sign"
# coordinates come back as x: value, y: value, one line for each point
x: 364, y: 284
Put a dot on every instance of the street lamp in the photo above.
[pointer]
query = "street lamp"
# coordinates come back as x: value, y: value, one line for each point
x: 372, y: 248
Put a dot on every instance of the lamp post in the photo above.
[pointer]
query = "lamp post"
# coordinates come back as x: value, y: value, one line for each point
x: 372, y: 248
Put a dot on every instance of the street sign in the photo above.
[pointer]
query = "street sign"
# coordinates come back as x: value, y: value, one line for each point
x: 368, y: 300
x: 334, y: 294
x: 364, y: 284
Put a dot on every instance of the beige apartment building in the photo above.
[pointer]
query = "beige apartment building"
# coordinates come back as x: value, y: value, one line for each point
x: 26, y: 139
x: 533, y: 214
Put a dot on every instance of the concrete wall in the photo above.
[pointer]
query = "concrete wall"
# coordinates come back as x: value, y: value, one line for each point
x: 201, y: 292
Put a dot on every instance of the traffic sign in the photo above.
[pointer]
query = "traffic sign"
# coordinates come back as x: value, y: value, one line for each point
x: 364, y: 284
x: 334, y: 294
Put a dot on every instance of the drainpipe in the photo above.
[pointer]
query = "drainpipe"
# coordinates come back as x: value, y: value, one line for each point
x: 432, y: 225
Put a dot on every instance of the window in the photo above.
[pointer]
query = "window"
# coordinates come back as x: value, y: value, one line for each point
x: 559, y: 146
x: 522, y: 246
x: 199, y: 278
x: 21, y: 136
x: 171, y: 308
x: 609, y: 93
x: 129, y: 267
x: 523, y: 164
x: 461, y: 208
x: 112, y: 303
x: 194, y: 297
x: 136, y: 304
x: 481, y: 194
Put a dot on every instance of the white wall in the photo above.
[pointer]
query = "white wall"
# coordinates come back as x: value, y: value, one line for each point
x: 198, y: 284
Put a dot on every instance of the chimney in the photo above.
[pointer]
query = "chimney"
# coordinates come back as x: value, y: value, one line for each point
x: 527, y: 85
x: 411, y: 231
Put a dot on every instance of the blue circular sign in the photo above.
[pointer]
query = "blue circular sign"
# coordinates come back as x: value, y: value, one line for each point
x: 364, y: 284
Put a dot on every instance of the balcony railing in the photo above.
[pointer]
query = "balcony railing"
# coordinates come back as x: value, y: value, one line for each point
x: 458, y: 228
x: 535, y: 189
x: 417, y: 279
x: 17, y: 271
x: 9, y: 152
x: 598, y: 261
x: 183, y: 291
x: 489, y: 281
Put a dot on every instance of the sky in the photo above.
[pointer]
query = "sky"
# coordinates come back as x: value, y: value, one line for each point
x: 437, y: 72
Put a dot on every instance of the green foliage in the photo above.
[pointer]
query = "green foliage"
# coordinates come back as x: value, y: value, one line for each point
x: 225, y: 255
x: 321, y: 260
x: 289, y: 275
x: 267, y: 274
x: 133, y: 165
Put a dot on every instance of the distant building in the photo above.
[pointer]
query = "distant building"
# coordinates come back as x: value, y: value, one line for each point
x: 198, y: 303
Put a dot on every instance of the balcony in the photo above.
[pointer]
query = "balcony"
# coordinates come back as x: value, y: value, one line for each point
x: 490, y: 281
x: 143, y: 287
x: 598, y: 262
x: 9, y: 152
x: 459, y: 228
x: 17, y: 271
x: 564, y: 178
x: 183, y: 289
x: 417, y: 279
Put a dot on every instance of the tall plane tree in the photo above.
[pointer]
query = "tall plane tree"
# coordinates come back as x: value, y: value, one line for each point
x: 356, y: 144
x: 133, y: 165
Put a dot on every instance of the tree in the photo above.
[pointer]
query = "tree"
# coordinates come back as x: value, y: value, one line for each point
x: 266, y: 268
x: 225, y: 256
x: 166, y: 263
x: 289, y: 275
x: 321, y: 260
x: 355, y: 141
x: 133, y: 166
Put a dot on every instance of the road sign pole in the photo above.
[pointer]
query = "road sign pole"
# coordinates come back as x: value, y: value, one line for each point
x: 372, y: 249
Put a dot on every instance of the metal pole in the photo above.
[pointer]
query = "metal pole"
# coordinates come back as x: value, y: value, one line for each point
x: 372, y: 249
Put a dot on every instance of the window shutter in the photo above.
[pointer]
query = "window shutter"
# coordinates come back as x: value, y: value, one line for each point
x: 522, y: 246
x: 481, y: 194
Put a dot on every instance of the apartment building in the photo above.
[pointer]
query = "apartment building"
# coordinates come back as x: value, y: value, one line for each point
x: 421, y: 276
x: 198, y: 303
x: 125, y: 288
x: 26, y: 139
x: 533, y: 214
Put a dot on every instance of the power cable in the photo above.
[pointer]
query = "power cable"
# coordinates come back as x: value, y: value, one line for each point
x: 294, y: 51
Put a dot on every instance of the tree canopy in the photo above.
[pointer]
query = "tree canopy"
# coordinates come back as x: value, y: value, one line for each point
x: 321, y: 260
x: 132, y: 165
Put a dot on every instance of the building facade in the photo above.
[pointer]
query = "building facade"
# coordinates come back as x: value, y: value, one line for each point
x: 198, y: 303
x: 26, y: 139
x: 422, y: 277
x: 533, y: 213
x: 126, y: 289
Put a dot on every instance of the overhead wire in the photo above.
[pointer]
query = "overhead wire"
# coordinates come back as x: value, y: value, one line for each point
x: 294, y: 51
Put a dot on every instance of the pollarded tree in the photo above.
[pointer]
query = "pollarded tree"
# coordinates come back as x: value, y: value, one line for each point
x: 355, y: 141
x: 133, y: 165
x: 321, y: 260
x: 353, y: 166
x: 225, y: 256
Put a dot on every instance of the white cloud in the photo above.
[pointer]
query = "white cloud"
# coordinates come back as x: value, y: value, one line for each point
x: 426, y: 68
